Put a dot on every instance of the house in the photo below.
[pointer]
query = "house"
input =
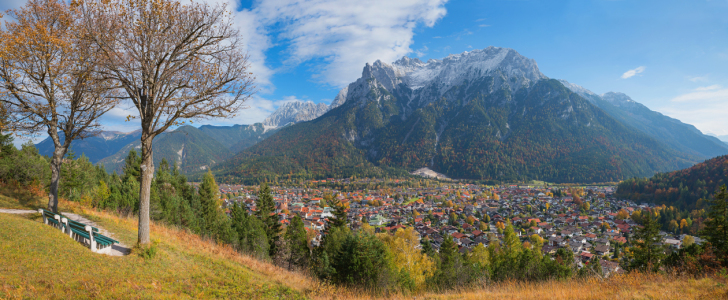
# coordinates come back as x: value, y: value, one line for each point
x: 377, y: 220
x: 586, y: 256
x: 673, y: 243
x: 602, y: 250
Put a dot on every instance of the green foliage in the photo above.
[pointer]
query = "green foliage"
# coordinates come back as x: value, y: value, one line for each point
x: 79, y: 177
x: 298, y: 252
x: 362, y: 260
x: 450, y: 269
x: 24, y: 166
x: 250, y: 231
x: 325, y: 255
x: 265, y: 211
x: 716, y: 226
x: 146, y: 251
x: 648, y: 253
x: 213, y: 221
x: 340, y: 216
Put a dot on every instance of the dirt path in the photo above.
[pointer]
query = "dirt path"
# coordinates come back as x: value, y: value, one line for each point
x: 116, y: 249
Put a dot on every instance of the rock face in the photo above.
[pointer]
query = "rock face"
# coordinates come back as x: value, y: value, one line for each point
x: 426, y: 172
x: 340, y: 98
x: 295, y: 112
x: 484, y: 114
x: 673, y: 133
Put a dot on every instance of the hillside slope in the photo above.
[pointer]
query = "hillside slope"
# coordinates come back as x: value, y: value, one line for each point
x: 681, y: 188
x: 193, y: 150
x: 671, y: 132
x: 238, y: 137
x: 185, y: 267
x: 485, y: 114
x: 97, y: 147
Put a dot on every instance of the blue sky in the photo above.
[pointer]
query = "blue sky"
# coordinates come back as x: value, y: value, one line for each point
x: 672, y: 56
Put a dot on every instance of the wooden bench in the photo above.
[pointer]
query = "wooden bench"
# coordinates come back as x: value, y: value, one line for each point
x: 85, y: 234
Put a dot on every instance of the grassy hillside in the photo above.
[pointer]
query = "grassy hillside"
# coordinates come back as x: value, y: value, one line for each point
x: 39, y: 262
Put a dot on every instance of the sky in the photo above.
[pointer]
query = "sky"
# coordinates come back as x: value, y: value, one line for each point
x: 671, y: 56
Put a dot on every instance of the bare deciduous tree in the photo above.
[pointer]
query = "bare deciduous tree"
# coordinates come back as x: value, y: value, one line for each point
x: 176, y: 62
x: 48, y: 79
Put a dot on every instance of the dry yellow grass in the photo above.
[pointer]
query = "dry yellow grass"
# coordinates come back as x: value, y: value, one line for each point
x: 177, y: 239
x: 628, y: 286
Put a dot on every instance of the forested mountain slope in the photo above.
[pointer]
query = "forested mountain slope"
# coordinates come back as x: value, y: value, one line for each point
x: 484, y: 114
x: 683, y: 188
x: 188, y: 146
x: 673, y: 133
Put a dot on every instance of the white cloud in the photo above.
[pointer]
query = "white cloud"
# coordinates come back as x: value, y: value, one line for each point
x: 704, y: 107
x: 698, y: 78
x: 422, y: 51
x: 633, y: 72
x: 713, y: 93
x: 346, y: 34
x: 255, y: 110
x: 708, y: 88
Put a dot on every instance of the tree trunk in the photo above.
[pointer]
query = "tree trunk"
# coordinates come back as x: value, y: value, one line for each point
x: 56, y: 163
x: 147, y: 169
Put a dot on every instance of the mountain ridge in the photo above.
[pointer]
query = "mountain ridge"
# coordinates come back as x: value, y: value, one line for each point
x: 472, y: 116
x: 672, y: 132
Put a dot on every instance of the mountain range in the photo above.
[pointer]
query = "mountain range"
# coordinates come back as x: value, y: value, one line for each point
x: 193, y: 149
x: 677, y: 135
x: 486, y: 114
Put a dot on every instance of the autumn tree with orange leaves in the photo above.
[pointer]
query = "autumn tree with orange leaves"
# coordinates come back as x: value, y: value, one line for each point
x: 176, y: 62
x: 49, y: 79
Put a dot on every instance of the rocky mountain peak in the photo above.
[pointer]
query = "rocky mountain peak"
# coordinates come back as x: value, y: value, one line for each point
x: 340, y: 98
x: 618, y: 99
x: 295, y: 112
x: 515, y: 70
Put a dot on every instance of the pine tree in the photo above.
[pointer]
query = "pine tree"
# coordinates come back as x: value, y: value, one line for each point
x: 296, y: 242
x: 132, y: 166
x: 266, y: 213
x: 428, y: 249
x: 449, y: 265
x: 210, y: 200
x: 340, y: 215
x: 250, y: 232
x: 716, y: 226
x: 648, y: 252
